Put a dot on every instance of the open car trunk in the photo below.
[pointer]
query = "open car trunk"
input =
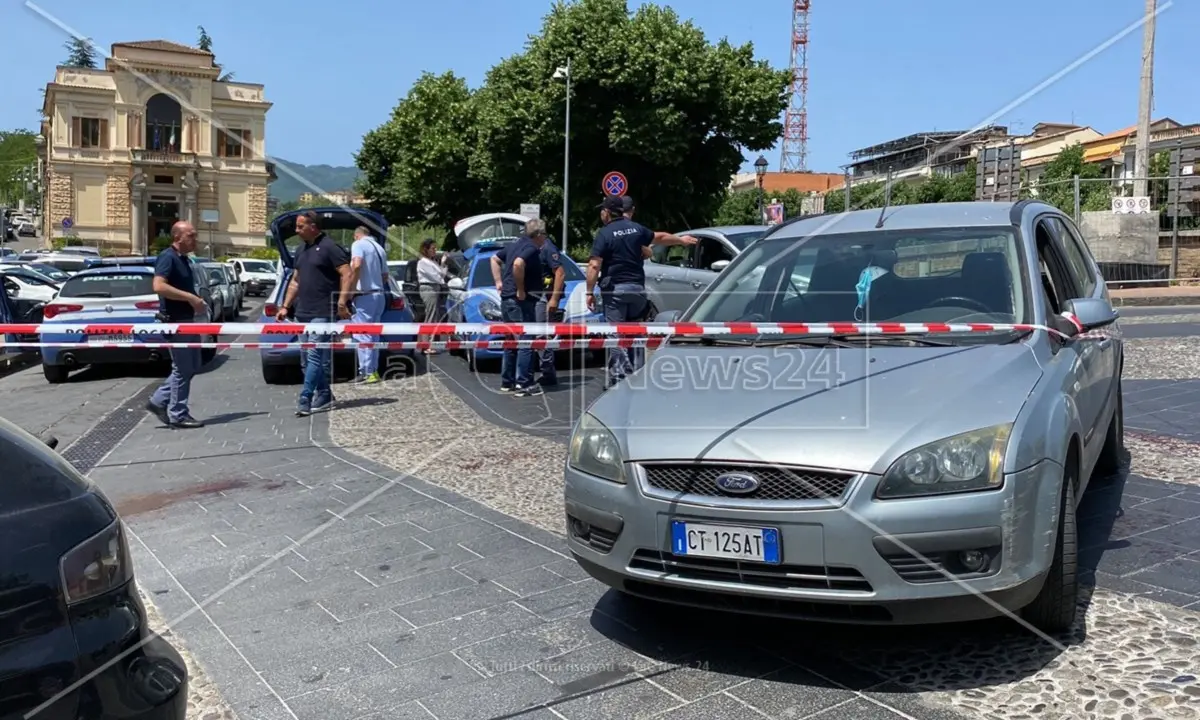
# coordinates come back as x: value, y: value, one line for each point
x: 335, y: 221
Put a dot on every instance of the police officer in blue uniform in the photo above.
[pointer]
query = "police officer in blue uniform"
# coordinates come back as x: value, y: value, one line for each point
x: 616, y: 266
x: 547, y: 309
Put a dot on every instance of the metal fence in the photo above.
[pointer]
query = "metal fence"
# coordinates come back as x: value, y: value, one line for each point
x: 1152, y: 239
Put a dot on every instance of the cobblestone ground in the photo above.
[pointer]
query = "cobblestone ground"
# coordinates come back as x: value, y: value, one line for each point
x: 1131, y: 657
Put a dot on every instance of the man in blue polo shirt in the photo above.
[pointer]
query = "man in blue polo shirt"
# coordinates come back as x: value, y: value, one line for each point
x: 517, y: 271
x: 175, y: 285
x: 320, y: 288
x: 617, y: 267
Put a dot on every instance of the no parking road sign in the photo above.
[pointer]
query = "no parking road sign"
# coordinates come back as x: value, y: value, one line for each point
x: 615, y: 184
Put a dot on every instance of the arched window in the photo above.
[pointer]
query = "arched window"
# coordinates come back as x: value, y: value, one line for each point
x: 164, y: 124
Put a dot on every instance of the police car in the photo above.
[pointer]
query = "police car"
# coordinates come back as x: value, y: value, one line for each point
x: 116, y: 291
x: 473, y: 297
x: 283, y: 365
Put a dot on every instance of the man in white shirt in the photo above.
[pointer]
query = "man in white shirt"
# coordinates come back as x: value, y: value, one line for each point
x: 368, y: 268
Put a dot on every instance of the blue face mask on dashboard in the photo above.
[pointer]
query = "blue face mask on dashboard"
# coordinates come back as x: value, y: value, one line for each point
x: 869, y: 275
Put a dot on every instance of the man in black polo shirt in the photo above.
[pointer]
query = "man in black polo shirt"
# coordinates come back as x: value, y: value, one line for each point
x: 517, y: 271
x: 320, y: 287
x: 617, y: 266
x: 175, y: 285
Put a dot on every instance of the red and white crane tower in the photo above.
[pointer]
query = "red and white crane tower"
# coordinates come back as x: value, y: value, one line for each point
x: 795, y: 122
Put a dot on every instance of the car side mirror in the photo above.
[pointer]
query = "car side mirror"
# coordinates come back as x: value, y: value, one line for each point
x: 1090, y: 314
x: 455, y: 284
x: 666, y: 316
x: 719, y: 265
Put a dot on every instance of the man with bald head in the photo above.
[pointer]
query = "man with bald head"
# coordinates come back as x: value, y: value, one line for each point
x: 178, y: 303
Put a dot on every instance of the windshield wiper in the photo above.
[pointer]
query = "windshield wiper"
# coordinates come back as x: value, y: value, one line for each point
x: 709, y: 340
x: 800, y: 341
x: 95, y: 293
x: 888, y: 338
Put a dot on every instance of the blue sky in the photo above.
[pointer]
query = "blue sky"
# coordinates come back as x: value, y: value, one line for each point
x: 878, y: 69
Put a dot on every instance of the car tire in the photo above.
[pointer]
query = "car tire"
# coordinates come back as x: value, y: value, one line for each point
x: 1056, y: 605
x: 55, y: 374
x: 1112, y: 455
x: 274, y: 374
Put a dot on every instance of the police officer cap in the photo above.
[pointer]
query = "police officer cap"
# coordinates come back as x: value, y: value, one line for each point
x: 626, y: 204
x: 612, y: 203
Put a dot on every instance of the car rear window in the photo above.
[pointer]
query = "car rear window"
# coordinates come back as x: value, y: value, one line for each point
x: 33, y: 475
x: 110, y: 285
x: 259, y: 267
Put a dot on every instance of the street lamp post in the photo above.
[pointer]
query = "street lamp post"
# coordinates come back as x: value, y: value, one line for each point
x: 564, y: 73
x: 760, y: 169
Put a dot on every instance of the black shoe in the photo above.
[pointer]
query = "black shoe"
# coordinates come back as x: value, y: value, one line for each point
x: 529, y: 391
x: 187, y: 423
x: 159, y: 412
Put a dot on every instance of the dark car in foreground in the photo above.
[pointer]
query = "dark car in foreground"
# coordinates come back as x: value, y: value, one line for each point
x: 74, y: 639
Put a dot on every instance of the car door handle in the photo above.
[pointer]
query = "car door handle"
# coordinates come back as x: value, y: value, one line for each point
x: 697, y: 284
x: 660, y: 278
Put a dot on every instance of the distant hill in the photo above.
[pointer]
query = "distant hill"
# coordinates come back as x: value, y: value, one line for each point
x: 327, y: 177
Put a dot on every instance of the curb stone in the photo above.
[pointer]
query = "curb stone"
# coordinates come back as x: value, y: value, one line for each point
x: 204, y: 699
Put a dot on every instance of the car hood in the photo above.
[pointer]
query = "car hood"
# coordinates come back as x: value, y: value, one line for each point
x: 855, y: 409
x: 574, y: 304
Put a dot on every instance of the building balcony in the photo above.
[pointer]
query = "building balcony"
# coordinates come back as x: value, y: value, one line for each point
x: 163, y: 158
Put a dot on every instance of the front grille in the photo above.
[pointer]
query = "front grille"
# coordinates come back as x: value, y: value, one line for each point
x: 775, y: 482
x: 798, y: 577
x: 753, y: 604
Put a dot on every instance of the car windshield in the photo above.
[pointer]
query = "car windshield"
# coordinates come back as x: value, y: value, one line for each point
x: 482, y: 277
x: 29, y: 276
x: 742, y: 239
x: 935, y: 275
x: 258, y: 267
x: 67, y: 264
x: 108, y: 285
x: 49, y: 271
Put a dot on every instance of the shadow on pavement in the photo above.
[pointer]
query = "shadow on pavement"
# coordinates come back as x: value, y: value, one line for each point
x: 226, y: 418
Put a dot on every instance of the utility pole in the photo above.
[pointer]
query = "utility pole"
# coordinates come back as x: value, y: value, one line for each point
x: 1145, y: 101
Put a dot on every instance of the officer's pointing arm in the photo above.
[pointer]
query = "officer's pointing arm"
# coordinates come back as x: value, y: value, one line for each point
x: 662, y: 238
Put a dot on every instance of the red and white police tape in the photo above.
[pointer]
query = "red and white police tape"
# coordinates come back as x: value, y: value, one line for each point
x: 569, y: 330
x: 99, y: 342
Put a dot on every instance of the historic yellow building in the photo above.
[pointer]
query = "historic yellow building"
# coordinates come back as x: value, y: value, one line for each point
x: 150, y: 139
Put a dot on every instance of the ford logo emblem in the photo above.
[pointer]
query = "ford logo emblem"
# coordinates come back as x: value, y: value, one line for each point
x: 737, y: 483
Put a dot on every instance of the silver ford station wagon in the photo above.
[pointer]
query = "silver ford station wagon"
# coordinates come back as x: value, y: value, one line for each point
x: 854, y: 477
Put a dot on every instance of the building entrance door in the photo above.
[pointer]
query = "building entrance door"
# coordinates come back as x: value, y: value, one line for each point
x: 161, y: 215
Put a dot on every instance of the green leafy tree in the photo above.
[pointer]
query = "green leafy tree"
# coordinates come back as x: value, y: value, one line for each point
x: 18, y: 153
x: 1056, y: 185
x: 205, y: 43
x: 80, y: 53
x: 651, y: 98
x: 933, y: 189
x: 416, y: 166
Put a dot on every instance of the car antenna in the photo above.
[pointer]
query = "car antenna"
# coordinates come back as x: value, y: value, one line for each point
x: 887, y: 197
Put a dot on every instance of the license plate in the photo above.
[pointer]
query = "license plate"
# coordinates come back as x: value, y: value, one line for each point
x: 102, y: 339
x: 725, y: 541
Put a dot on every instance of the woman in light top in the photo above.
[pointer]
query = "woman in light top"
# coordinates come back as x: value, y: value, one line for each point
x: 431, y: 283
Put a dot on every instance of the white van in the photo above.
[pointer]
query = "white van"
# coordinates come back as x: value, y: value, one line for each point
x: 258, y: 276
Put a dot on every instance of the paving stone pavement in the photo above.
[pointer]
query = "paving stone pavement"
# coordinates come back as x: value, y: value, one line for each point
x: 451, y: 595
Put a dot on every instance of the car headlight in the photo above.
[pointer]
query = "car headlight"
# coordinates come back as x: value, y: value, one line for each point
x: 594, y: 450
x: 97, y: 565
x: 490, y: 311
x: 968, y: 462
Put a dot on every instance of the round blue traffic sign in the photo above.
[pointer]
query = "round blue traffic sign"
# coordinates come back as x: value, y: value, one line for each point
x: 66, y: 222
x: 615, y: 184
